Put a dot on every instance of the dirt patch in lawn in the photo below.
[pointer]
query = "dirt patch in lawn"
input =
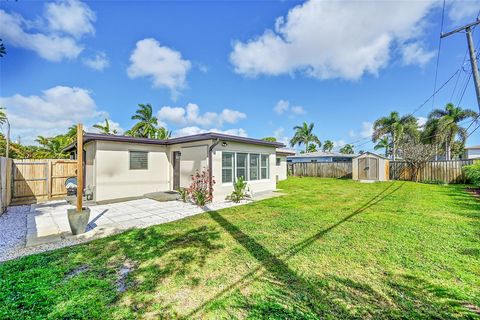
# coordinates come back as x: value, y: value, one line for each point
x: 474, y: 191
x: 122, y: 275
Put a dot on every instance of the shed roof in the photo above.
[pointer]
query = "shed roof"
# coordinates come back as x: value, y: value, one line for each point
x: 286, y: 152
x: 473, y: 147
x: 192, y: 138
x: 372, y: 154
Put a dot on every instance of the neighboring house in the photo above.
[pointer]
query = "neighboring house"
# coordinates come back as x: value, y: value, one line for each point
x: 281, y: 163
x: 472, y: 152
x: 321, y: 156
x: 122, y: 167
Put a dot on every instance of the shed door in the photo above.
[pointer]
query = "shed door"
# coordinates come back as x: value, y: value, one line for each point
x: 373, y: 168
x: 362, y: 169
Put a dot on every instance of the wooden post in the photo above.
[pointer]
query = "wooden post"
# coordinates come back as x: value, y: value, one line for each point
x: 50, y: 180
x: 79, y: 167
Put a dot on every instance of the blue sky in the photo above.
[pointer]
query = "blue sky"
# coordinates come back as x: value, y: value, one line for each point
x: 249, y: 68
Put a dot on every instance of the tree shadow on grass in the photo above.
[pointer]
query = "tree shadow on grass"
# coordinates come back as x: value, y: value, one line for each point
x: 298, y: 297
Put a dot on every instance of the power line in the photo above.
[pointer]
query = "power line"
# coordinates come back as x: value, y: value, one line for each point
x: 438, y: 56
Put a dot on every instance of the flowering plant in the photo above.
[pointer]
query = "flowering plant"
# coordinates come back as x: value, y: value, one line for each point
x: 199, y: 189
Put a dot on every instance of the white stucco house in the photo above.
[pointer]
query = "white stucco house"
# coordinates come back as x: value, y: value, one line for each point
x: 472, y: 152
x: 119, y: 167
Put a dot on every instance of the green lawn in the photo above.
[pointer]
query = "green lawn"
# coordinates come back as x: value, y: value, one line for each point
x: 328, y: 249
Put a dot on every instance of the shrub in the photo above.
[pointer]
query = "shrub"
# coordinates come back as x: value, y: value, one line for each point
x: 472, y: 172
x: 240, y: 191
x: 183, y: 194
x: 199, y: 190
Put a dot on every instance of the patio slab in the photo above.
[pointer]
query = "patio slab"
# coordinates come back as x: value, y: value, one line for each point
x: 48, y: 222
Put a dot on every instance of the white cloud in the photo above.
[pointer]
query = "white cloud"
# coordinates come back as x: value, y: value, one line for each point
x: 186, y: 131
x: 52, y: 47
x: 298, y: 110
x: 460, y: 11
x: 164, y: 66
x: 283, y: 106
x: 365, y: 132
x: 333, y: 39
x: 50, y: 113
x: 70, y: 16
x: 421, y: 121
x: 53, y: 37
x: 190, y: 115
x: 98, y: 61
x: 415, y: 54
x: 279, y: 134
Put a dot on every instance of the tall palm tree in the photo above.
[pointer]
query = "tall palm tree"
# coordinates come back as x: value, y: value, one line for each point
x: 72, y: 132
x: 395, y: 127
x: 105, y: 129
x: 312, y: 147
x: 448, y: 124
x: 163, y: 134
x: 432, y: 134
x: 304, y: 135
x: 55, y: 146
x: 347, y: 149
x: 383, y: 143
x: 328, y: 146
x: 147, y: 122
x: 43, y: 141
x: 3, y: 115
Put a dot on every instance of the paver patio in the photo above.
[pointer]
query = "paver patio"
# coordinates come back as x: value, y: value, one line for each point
x: 48, y: 222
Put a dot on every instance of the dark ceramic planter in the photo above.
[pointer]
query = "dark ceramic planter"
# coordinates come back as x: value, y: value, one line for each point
x: 78, y: 220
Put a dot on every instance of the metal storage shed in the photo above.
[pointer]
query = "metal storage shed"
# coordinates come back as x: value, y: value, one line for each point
x: 370, y: 167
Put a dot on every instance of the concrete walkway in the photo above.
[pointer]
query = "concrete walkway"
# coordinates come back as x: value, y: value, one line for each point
x: 48, y: 222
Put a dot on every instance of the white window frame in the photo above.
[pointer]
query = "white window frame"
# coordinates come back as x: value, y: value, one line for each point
x: 232, y: 168
x: 267, y: 167
x: 278, y: 161
x: 246, y: 165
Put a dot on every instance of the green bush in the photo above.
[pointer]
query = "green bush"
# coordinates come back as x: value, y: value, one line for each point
x: 472, y: 172
x: 240, y: 191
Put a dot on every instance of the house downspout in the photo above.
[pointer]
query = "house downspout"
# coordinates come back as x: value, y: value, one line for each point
x: 210, y: 166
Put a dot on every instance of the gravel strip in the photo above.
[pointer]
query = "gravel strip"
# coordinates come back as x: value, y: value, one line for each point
x: 13, y: 230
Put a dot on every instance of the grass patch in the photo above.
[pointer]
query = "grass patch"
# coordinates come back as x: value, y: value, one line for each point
x: 329, y: 248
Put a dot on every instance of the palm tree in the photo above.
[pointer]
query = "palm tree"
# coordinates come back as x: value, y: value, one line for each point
x: 347, y: 149
x: 72, y: 132
x: 383, y: 143
x: 105, y: 129
x: 147, y: 122
x: 43, y: 141
x: 163, y: 134
x: 304, y: 135
x: 448, y: 124
x: 395, y: 127
x: 55, y: 146
x: 432, y: 134
x: 3, y: 115
x: 328, y: 146
x: 312, y: 147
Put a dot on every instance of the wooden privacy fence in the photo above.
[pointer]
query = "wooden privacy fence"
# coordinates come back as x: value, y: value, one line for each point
x: 41, y: 179
x: 5, y: 183
x: 447, y: 171
x: 321, y: 169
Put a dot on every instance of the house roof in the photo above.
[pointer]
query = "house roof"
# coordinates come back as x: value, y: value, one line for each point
x: 192, y: 138
x: 323, y: 154
x: 372, y: 154
x: 473, y: 147
x: 286, y: 152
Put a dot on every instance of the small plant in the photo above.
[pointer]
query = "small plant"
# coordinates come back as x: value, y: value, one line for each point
x: 240, y: 191
x: 183, y: 194
x: 199, y: 189
x: 472, y: 172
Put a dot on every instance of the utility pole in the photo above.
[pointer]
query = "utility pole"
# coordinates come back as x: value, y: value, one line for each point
x: 471, y: 49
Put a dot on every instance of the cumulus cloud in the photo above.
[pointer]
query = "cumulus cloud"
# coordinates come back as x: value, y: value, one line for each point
x: 366, y: 131
x: 460, y: 11
x: 164, y: 66
x: 284, y: 106
x: 415, y: 53
x: 70, y: 16
x: 310, y: 39
x: 50, y: 113
x: 186, y: 131
x: 98, y: 61
x: 54, y: 37
x: 190, y: 115
x: 421, y: 121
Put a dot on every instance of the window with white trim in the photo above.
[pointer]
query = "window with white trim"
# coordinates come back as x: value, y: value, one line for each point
x: 254, y: 164
x: 279, y: 161
x: 227, y: 166
x: 242, y: 165
x: 264, y: 166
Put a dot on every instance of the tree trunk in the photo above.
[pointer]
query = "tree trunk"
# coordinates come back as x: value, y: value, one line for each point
x: 306, y: 147
x: 447, y: 150
x: 394, y: 151
x: 436, y: 151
